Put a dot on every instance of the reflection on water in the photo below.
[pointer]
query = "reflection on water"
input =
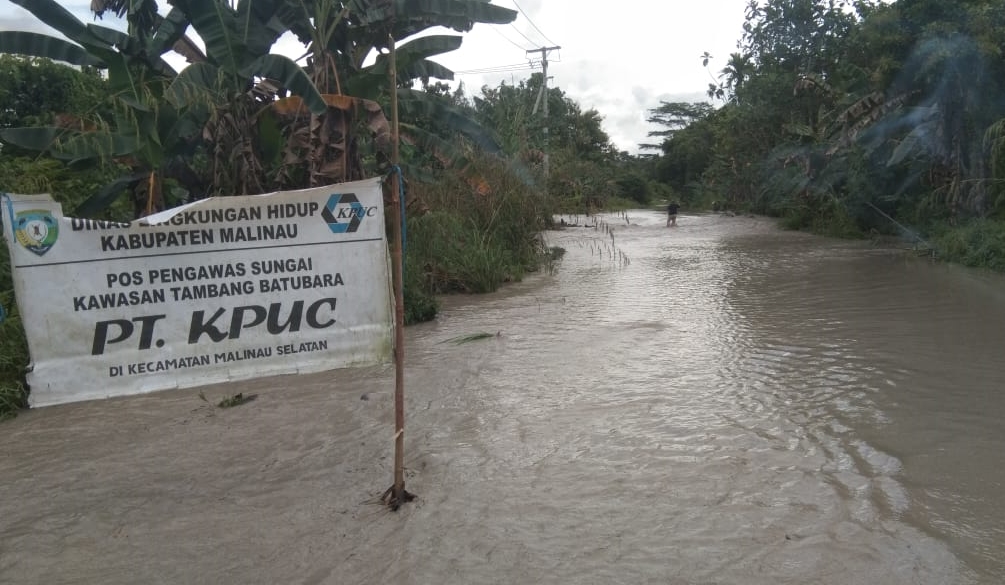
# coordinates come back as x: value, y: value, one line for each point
x: 736, y: 405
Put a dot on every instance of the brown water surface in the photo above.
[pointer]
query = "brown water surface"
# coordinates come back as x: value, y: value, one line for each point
x: 736, y: 405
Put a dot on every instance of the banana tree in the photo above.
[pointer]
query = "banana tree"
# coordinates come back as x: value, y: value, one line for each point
x: 343, y: 34
x: 314, y: 147
x: 341, y: 37
x: 819, y: 158
x: 143, y: 133
x: 144, y: 20
x: 235, y: 85
x: 161, y: 116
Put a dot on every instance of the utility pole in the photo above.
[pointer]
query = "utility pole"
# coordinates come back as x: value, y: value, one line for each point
x: 544, y: 96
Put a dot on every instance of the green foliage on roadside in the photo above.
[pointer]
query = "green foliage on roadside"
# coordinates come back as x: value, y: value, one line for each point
x: 585, y: 169
x: 13, y: 347
x: 979, y: 243
x: 455, y: 256
x: 827, y: 217
x: 70, y: 187
x: 840, y: 116
x: 483, y: 229
x: 420, y: 302
x: 34, y: 91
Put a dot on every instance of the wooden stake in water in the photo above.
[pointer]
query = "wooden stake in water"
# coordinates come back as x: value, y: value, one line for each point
x: 396, y: 495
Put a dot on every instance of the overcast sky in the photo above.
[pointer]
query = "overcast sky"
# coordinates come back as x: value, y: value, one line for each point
x: 620, y: 58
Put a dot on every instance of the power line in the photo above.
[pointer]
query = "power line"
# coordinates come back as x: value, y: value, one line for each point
x: 498, y: 69
x: 532, y: 23
x: 500, y: 72
x: 510, y: 41
x: 519, y: 32
x: 491, y: 70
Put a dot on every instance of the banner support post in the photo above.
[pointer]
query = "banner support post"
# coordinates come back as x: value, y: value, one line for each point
x: 396, y: 495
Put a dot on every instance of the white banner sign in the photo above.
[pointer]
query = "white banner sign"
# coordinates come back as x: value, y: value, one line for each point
x: 222, y: 289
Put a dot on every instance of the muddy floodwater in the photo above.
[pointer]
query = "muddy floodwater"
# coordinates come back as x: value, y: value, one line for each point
x: 720, y: 403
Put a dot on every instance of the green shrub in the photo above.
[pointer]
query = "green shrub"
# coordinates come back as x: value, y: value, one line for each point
x: 980, y: 243
x: 420, y: 303
x: 13, y: 359
x: 420, y: 306
x: 482, y: 229
x: 453, y: 255
x: 633, y: 186
x: 13, y: 345
x: 826, y: 216
x: 69, y: 187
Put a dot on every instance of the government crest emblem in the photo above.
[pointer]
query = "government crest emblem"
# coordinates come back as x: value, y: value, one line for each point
x: 36, y: 230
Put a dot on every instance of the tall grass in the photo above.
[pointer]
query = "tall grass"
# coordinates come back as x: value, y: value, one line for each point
x: 69, y: 186
x: 482, y: 229
x: 979, y: 243
x: 13, y: 345
x: 826, y: 217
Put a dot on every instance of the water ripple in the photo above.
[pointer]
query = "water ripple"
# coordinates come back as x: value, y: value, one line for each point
x: 727, y: 408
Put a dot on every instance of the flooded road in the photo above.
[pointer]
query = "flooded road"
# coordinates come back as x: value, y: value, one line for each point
x: 720, y: 403
x: 741, y: 405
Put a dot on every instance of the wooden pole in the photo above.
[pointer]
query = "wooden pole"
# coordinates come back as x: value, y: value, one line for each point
x: 397, y: 495
x: 544, y: 93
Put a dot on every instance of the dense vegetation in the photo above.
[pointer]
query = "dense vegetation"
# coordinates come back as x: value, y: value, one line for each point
x: 853, y: 117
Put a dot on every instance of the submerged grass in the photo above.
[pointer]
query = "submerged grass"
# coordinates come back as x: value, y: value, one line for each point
x: 236, y: 400
x: 471, y: 337
x: 230, y: 401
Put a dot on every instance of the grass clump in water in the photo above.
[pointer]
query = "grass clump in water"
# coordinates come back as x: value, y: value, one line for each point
x: 230, y: 401
x: 471, y: 337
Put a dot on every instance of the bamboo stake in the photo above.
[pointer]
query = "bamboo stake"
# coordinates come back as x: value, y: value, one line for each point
x: 151, y: 184
x: 396, y: 494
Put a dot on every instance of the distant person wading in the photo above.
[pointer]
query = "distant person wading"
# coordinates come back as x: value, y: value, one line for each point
x: 672, y: 214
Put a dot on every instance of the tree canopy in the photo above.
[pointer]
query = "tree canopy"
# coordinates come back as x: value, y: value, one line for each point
x: 835, y: 110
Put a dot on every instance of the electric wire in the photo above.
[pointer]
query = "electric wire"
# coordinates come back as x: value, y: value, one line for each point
x: 532, y: 43
x: 497, y: 69
x: 509, y: 40
x: 553, y: 43
x: 492, y: 72
x: 530, y: 65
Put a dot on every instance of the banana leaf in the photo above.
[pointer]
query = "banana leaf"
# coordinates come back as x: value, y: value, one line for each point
x: 71, y: 145
x: 54, y: 15
x: 40, y: 45
x: 108, y: 194
x: 415, y: 104
x: 290, y: 76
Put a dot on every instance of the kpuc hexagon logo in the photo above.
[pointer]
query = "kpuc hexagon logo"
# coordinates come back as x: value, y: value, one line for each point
x: 343, y: 213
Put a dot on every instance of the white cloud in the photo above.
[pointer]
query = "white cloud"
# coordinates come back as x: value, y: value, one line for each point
x: 619, y: 58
